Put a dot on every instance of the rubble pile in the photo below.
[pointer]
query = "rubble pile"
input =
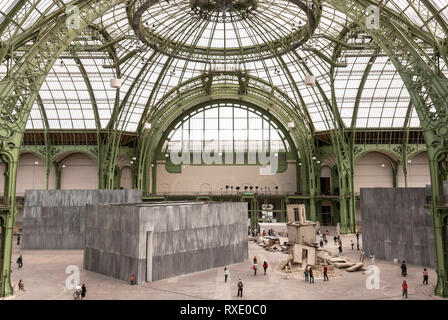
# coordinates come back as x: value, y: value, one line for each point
x: 271, y: 244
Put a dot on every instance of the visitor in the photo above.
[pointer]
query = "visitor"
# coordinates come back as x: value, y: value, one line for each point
x: 132, y: 280
x: 353, y: 244
x: 226, y: 274
x: 321, y: 242
x: 83, y: 291
x: 357, y: 245
x: 325, y: 239
x: 404, y: 269
x: 240, y: 288
x: 18, y: 239
x: 357, y: 236
x: 425, y: 276
x: 77, y: 295
x: 21, y: 286
x: 311, y: 275
x: 372, y: 258
x: 335, y: 239
x: 255, y: 259
x: 405, y: 289
x: 20, y: 261
x: 325, y: 273
x: 265, y: 267
x: 340, y: 248
x: 255, y: 269
x: 306, y: 274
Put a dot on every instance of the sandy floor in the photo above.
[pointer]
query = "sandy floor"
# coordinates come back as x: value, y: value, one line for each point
x: 44, y: 276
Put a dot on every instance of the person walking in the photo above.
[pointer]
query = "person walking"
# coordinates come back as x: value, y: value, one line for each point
x: 83, y: 291
x: 306, y: 272
x: 321, y: 242
x: 325, y: 238
x: 255, y: 269
x: 265, y: 267
x: 335, y: 239
x: 20, y: 261
x: 340, y: 247
x: 405, y: 289
x: 240, y: 288
x: 311, y: 275
x: 353, y: 244
x: 425, y: 276
x: 226, y: 274
x: 404, y: 269
x: 372, y: 258
x: 357, y: 236
x: 325, y: 273
x: 18, y: 239
x: 255, y: 259
x: 132, y: 280
x: 357, y: 245
x: 21, y: 286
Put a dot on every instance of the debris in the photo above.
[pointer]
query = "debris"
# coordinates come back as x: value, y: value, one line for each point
x: 357, y: 267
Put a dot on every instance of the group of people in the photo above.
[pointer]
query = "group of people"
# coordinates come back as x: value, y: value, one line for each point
x: 80, y: 292
x: 255, y: 266
x: 309, y: 275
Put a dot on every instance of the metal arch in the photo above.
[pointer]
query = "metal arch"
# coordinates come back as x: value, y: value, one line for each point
x: 90, y: 90
x: 191, y: 111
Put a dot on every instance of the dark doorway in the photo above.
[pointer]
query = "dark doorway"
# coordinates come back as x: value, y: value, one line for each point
x: 326, y: 215
x: 325, y: 186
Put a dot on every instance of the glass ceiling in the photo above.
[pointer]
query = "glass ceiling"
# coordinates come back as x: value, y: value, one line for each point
x: 210, y: 41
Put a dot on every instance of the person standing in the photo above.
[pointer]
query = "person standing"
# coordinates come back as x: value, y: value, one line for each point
x: 77, y: 295
x: 357, y: 245
x: 362, y: 256
x: 240, y: 288
x: 255, y: 269
x: 325, y: 273
x: 18, y: 239
x: 306, y: 274
x: 311, y: 275
x: 405, y: 289
x: 340, y: 246
x: 353, y: 244
x: 335, y: 239
x: 404, y: 269
x: 321, y: 242
x: 372, y: 258
x: 265, y: 267
x: 226, y: 274
x: 255, y: 259
x: 83, y: 291
x: 357, y: 236
x: 20, y: 261
x: 425, y: 276
x: 132, y: 280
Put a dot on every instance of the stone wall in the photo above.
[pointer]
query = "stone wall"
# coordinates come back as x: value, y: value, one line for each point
x: 396, y: 225
x: 177, y: 238
x: 55, y: 219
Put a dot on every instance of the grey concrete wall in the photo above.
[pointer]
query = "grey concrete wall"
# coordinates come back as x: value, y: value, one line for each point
x: 55, y: 219
x: 186, y: 237
x: 396, y: 225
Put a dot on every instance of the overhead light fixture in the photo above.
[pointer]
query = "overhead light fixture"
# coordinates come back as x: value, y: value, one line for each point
x: 147, y: 126
x: 115, y: 83
x: 383, y: 165
x: 310, y: 80
x: 131, y: 162
x: 36, y: 162
x: 63, y: 166
x: 291, y: 125
x: 314, y: 158
x: 134, y: 158
x: 409, y: 161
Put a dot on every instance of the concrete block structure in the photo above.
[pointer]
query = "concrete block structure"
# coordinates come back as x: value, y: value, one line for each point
x: 156, y: 241
x: 55, y: 219
x: 396, y: 225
